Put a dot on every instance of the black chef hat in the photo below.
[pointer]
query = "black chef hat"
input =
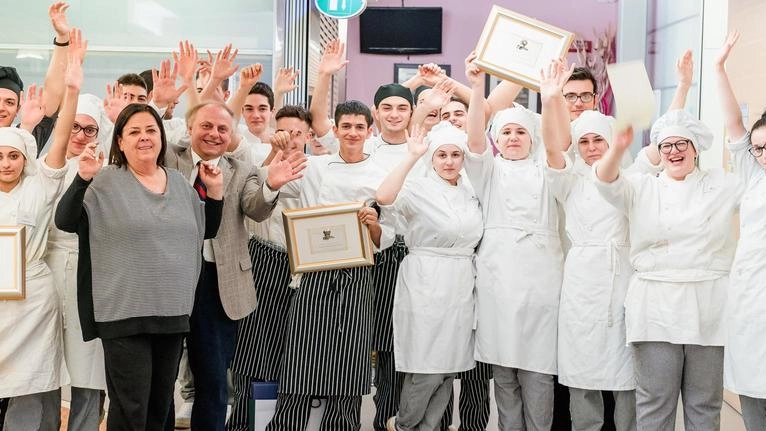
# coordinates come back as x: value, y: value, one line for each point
x: 389, y: 90
x: 10, y: 79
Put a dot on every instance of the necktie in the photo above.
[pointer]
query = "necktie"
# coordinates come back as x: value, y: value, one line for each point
x: 199, y: 186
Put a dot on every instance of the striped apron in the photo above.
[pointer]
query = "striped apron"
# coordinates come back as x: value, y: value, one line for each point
x: 384, y: 279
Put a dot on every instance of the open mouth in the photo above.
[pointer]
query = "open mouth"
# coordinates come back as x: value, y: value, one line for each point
x: 676, y: 160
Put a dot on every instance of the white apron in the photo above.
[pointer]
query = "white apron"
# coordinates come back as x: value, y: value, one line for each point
x: 746, y: 306
x: 433, y: 313
x: 31, y: 358
x: 519, y: 264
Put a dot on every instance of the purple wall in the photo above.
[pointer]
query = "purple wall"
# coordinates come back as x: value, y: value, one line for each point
x: 462, y: 26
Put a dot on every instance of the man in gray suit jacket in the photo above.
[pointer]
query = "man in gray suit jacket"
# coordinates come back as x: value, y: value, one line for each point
x: 225, y: 292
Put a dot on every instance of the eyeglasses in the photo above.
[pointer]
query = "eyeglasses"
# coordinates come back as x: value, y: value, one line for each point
x: 585, y: 97
x: 681, y: 146
x: 756, y: 151
x: 89, y: 131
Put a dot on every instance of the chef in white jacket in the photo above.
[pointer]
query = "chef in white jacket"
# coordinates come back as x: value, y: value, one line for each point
x: 519, y: 263
x: 434, y: 302
x: 746, y: 305
x: 682, y: 246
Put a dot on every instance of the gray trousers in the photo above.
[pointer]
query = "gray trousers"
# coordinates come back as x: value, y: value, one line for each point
x: 84, y: 409
x: 524, y: 399
x: 185, y: 377
x: 35, y: 412
x: 753, y: 412
x: 663, y: 371
x: 423, y: 400
x: 587, y: 410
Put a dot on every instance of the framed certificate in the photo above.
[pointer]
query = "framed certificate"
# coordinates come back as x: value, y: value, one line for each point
x: 327, y: 237
x: 13, y: 255
x: 516, y: 47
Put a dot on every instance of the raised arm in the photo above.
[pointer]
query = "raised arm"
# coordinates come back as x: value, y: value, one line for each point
x: 56, y: 157
x: 248, y: 77
x: 555, y: 117
x: 223, y: 67
x: 54, y: 78
x: 608, y: 168
x: 284, y: 82
x: 392, y: 184
x: 476, y: 122
x: 165, y: 91
x: 502, y: 97
x: 186, y: 58
x: 437, y: 97
x: 333, y: 60
x: 684, y: 73
x: 731, y: 112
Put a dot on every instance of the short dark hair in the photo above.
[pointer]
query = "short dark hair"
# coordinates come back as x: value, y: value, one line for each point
x: 583, y: 74
x: 353, y: 107
x: 133, y: 79
x: 294, y: 111
x: 455, y: 99
x: 264, y: 90
x: 148, y: 80
x: 116, y: 156
x: 192, y: 113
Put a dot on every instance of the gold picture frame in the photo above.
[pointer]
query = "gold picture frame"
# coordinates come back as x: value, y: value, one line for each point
x: 13, y: 247
x: 516, y: 47
x: 327, y: 237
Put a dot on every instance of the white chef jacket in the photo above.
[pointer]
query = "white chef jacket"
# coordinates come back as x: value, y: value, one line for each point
x: 682, y: 245
x: 433, y: 312
x: 746, y: 305
x: 592, y: 352
x: 519, y: 263
x: 30, y: 330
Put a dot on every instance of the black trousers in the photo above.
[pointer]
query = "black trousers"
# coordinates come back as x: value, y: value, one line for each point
x: 140, y: 378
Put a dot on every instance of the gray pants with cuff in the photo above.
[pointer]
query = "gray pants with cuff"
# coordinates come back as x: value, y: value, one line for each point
x: 664, y: 370
x: 34, y: 412
x: 524, y: 399
x: 753, y: 412
x: 423, y: 400
x: 587, y: 409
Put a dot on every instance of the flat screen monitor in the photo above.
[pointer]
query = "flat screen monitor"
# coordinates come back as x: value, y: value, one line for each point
x: 401, y: 30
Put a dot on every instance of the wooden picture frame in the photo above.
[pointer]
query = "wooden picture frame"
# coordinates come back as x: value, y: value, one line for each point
x: 516, y: 47
x: 327, y: 237
x: 13, y: 255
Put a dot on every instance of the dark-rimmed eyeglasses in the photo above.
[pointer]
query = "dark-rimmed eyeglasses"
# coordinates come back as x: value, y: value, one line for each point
x: 681, y: 146
x: 584, y: 97
x: 756, y: 151
x: 89, y: 131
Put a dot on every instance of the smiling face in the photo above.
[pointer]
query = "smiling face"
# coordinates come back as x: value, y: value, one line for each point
x: 11, y: 166
x: 9, y: 107
x: 448, y: 161
x: 77, y: 141
x: 393, y: 114
x: 141, y: 139
x: 211, y: 131
x: 352, y: 130
x: 257, y: 113
x: 432, y: 118
x: 455, y: 112
x: 579, y: 87
x: 514, y: 142
x: 678, y: 164
x: 592, y: 147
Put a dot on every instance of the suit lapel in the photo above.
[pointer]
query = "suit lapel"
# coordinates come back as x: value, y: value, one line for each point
x: 228, y: 172
x: 185, y: 162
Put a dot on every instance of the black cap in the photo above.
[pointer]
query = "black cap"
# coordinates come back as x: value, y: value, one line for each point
x: 9, y: 78
x: 389, y: 90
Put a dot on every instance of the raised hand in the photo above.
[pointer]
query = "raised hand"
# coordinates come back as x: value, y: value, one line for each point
x: 186, y: 61
x: 114, y: 103
x: 250, y: 75
x: 57, y: 14
x: 280, y: 141
x: 75, y: 57
x: 440, y: 94
x: 417, y: 145
x: 165, y: 91
x: 552, y: 80
x: 431, y: 74
x: 211, y: 176
x: 474, y: 75
x: 224, y: 66
x: 685, y: 69
x: 91, y: 161
x: 283, y: 170
x: 334, y: 58
x: 623, y: 139
x: 284, y: 82
x: 723, y: 54
x: 32, y: 107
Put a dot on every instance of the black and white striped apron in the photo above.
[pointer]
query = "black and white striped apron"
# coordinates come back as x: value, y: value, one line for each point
x: 384, y: 279
x: 260, y: 335
x: 329, y: 335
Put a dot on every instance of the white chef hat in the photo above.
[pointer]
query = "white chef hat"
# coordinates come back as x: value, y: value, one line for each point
x: 442, y: 134
x: 24, y: 142
x: 90, y: 105
x: 680, y: 123
x: 521, y: 116
x: 592, y: 122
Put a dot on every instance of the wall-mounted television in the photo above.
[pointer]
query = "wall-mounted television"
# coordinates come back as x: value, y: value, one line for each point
x: 401, y: 30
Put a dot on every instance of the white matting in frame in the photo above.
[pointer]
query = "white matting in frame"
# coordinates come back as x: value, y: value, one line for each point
x: 13, y: 257
x: 327, y: 237
x: 516, y: 47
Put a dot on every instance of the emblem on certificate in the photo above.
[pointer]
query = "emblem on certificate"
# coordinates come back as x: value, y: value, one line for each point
x: 327, y: 237
x: 13, y: 257
x: 516, y: 47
